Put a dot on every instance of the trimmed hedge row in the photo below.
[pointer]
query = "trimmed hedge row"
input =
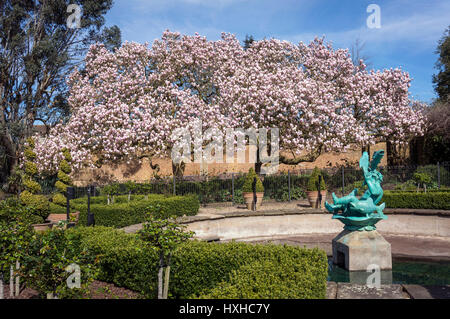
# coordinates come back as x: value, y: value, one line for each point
x: 269, y: 279
x: 201, y: 269
x: 429, y: 200
x: 123, y: 213
x: 432, y: 190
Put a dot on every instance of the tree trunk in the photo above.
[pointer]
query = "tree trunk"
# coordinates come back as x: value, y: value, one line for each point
x: 178, y: 169
x: 11, y: 281
x: 160, y: 276
x: 258, y: 163
x: 17, y: 279
x: 1, y: 285
x: 258, y: 167
x: 396, y: 154
x: 166, y: 278
x: 51, y: 295
x: 11, y: 154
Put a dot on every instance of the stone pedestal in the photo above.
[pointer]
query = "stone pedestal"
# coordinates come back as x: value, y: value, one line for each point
x: 356, y: 250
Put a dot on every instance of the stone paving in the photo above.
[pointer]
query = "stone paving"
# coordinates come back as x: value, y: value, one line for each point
x: 342, y: 290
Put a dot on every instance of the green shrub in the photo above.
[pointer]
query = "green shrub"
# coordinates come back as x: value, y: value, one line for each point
x: 282, y: 193
x: 130, y: 186
x: 432, y: 171
x: 313, y: 181
x: 48, y: 256
x: 204, y: 265
x: 123, y: 259
x: 111, y: 189
x: 272, y: 279
x: 64, y: 178
x: 66, y: 154
x: 11, y: 210
x: 249, y: 180
x: 31, y: 186
x: 429, y: 200
x: 422, y: 178
x: 56, y: 209
x: 30, y: 168
x: 199, y: 267
x: 65, y: 167
x: 30, y: 142
x: 29, y: 154
x: 122, y: 213
x: 38, y: 202
x: 59, y: 199
x: 33, y: 219
x: 415, y: 190
x: 61, y: 187
x: 409, y: 185
x: 358, y: 185
x: 14, y: 239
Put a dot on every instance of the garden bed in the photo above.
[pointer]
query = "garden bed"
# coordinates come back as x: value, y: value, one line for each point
x: 202, y: 270
x: 98, y: 290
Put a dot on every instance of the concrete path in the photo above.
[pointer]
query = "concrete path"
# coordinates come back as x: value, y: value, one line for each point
x: 342, y: 290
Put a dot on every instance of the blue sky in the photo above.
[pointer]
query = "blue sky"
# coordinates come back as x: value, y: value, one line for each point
x: 407, y: 38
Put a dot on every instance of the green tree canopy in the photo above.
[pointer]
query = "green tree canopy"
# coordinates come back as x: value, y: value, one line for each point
x: 38, y: 48
x: 442, y: 79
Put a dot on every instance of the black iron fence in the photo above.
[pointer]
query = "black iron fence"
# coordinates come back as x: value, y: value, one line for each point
x: 284, y: 186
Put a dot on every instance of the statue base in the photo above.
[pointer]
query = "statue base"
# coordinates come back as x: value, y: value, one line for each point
x: 356, y: 250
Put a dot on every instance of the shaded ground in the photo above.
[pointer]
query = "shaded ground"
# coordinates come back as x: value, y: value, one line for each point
x: 98, y: 290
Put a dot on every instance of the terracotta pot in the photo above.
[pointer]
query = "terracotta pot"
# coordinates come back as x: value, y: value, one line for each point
x: 42, y: 227
x: 248, y: 198
x: 313, y: 198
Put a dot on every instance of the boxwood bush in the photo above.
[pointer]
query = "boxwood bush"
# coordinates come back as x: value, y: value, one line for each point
x: 201, y: 269
x: 270, y: 279
x: 428, y: 200
x: 123, y: 213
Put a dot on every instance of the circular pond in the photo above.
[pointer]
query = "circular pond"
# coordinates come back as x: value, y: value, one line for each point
x: 403, y: 272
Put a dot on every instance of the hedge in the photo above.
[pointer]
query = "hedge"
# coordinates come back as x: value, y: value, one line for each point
x: 199, y: 269
x: 269, y: 279
x: 123, y: 213
x: 421, y: 190
x: 429, y: 200
x: 39, y: 203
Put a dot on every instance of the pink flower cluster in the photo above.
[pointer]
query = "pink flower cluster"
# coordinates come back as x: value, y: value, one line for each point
x: 127, y: 103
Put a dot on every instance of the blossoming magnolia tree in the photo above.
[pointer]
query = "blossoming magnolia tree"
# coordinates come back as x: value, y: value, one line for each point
x: 126, y: 104
x: 318, y: 99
